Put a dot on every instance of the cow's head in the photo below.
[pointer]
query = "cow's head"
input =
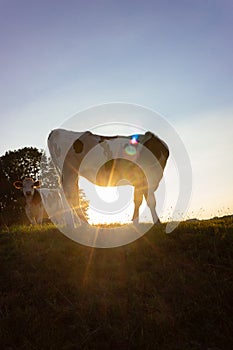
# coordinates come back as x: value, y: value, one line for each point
x: 28, y: 186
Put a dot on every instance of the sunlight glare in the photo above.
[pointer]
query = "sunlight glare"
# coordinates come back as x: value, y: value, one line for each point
x: 107, y: 194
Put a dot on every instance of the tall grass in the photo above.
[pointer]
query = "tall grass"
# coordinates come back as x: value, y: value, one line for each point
x: 160, y: 292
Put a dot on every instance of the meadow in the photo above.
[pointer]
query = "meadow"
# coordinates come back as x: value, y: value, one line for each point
x: 172, y: 292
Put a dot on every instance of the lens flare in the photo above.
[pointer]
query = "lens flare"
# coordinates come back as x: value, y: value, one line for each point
x: 134, y: 140
x: 130, y: 150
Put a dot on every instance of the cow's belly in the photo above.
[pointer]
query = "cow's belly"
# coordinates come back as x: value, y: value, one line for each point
x: 118, y: 172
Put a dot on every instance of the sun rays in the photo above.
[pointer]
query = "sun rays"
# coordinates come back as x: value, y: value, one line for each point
x: 111, y: 205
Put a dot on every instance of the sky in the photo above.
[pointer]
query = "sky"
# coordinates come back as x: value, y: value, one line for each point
x: 174, y: 57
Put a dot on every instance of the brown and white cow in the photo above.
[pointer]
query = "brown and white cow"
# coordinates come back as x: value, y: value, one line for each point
x: 138, y: 160
x: 34, y: 206
x: 41, y: 200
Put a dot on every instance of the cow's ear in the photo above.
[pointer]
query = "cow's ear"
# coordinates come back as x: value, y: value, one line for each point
x: 37, y: 184
x: 18, y: 184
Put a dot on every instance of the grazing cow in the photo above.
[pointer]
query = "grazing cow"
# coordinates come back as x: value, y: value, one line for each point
x: 138, y: 160
x: 34, y: 206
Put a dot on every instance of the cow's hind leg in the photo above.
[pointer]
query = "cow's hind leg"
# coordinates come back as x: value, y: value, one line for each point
x: 138, y: 197
x: 151, y: 202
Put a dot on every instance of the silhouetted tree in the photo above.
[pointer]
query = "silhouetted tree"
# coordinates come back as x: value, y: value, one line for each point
x: 15, y: 165
x: 5, y: 194
x: 21, y: 163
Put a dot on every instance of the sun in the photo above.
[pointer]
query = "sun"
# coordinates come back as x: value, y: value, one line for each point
x: 107, y: 194
x: 107, y: 205
x: 112, y: 205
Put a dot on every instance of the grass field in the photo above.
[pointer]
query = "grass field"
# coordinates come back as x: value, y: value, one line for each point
x: 160, y: 292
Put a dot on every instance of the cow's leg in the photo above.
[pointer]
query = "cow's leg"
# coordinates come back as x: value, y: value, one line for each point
x: 69, y: 184
x: 40, y: 215
x: 29, y: 215
x: 151, y: 202
x: 68, y: 214
x: 71, y: 191
x: 138, y: 197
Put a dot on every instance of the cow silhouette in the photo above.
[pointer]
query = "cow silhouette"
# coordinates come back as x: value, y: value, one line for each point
x: 138, y: 160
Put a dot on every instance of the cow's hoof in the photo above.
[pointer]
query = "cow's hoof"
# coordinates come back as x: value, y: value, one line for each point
x: 135, y: 222
x: 158, y: 223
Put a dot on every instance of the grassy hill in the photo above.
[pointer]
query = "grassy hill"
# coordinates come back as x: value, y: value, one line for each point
x: 161, y: 292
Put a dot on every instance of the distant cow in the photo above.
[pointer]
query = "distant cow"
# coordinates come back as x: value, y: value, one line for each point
x: 138, y: 160
x: 34, y: 206
x: 38, y: 199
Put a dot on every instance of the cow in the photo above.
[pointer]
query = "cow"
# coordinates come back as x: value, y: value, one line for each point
x: 34, y: 207
x: 138, y: 160
x: 38, y: 199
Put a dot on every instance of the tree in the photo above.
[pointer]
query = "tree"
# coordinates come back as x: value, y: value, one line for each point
x: 21, y: 163
x: 48, y: 173
x: 5, y: 194
x: 16, y: 165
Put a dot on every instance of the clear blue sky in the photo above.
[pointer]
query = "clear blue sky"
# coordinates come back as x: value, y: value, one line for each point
x: 58, y: 57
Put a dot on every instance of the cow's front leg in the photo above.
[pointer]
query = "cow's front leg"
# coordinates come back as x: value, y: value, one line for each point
x: 40, y: 215
x: 71, y: 191
x: 30, y: 216
x: 69, y: 180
